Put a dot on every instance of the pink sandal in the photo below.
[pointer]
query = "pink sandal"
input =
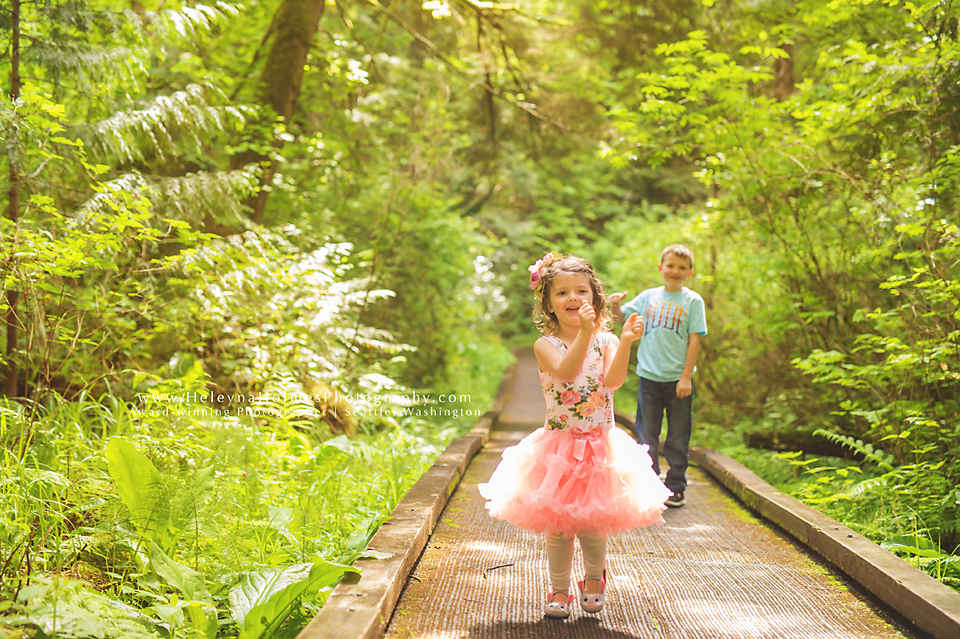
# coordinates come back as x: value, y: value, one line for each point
x: 556, y: 609
x: 593, y: 601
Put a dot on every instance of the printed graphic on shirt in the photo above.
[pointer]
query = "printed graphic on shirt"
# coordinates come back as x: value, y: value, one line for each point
x: 664, y: 315
x: 669, y: 319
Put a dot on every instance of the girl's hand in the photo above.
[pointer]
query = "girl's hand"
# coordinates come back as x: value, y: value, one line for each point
x: 632, y: 329
x: 587, y: 316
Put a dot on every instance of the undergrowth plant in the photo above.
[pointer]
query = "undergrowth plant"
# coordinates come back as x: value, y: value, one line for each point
x: 903, y: 402
x: 118, y: 522
x: 910, y: 509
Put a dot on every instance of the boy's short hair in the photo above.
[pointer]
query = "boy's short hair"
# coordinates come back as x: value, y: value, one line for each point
x: 679, y: 250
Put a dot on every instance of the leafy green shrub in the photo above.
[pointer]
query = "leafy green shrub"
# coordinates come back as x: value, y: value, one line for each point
x: 902, y: 507
x: 187, y: 525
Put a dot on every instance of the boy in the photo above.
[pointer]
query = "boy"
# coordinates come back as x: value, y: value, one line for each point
x: 674, y: 321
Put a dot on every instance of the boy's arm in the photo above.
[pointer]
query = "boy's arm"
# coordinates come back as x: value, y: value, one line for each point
x: 615, y: 300
x: 685, y: 385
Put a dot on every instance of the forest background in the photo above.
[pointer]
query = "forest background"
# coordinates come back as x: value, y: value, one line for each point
x: 263, y: 260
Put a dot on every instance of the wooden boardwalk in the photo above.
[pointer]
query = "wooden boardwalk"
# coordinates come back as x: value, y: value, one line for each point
x: 712, y: 571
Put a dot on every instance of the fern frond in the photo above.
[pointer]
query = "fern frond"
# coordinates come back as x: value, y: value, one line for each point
x: 374, y: 338
x: 875, y: 455
x: 286, y: 400
x: 219, y: 194
x: 68, y: 609
x: 950, y: 513
x: 189, y: 198
x: 188, y: 22
x: 866, y: 486
x: 87, y: 67
x: 162, y: 127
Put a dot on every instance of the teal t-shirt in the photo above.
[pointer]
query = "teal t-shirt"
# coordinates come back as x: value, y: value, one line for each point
x: 668, y: 319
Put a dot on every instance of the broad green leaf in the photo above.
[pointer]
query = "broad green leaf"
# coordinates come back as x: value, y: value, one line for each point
x: 263, y: 599
x: 69, y: 610
x: 183, y: 578
x: 914, y: 545
x: 139, y: 485
x: 280, y: 518
x: 200, y: 610
x: 203, y: 618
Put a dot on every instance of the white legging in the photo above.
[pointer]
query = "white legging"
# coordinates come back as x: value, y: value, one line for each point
x: 560, y: 557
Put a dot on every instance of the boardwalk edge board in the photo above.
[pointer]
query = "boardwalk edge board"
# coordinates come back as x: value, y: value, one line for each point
x: 931, y: 606
x: 361, y: 605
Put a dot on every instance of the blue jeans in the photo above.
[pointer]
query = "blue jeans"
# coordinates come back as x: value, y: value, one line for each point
x: 653, y: 399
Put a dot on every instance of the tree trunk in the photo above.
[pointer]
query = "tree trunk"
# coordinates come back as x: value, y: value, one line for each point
x: 290, y: 37
x: 784, y: 82
x: 10, y: 319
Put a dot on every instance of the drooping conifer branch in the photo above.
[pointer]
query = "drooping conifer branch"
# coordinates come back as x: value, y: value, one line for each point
x: 164, y: 127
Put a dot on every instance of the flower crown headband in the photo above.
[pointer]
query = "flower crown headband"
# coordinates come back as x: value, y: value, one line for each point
x: 538, y: 270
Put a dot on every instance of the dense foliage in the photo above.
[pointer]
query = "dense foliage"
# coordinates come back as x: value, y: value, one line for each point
x: 243, y: 241
x: 214, y: 397
x: 826, y: 136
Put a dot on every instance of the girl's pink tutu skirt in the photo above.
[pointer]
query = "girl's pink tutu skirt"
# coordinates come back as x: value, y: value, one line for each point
x: 565, y: 481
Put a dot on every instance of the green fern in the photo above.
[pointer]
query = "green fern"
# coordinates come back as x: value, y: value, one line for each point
x: 875, y: 455
x: 950, y: 515
x: 219, y: 193
x: 69, y: 610
x: 187, y: 198
x: 867, y: 486
x: 110, y: 196
x: 160, y: 510
x: 163, y: 126
x: 88, y: 67
x: 187, y: 22
x: 285, y: 403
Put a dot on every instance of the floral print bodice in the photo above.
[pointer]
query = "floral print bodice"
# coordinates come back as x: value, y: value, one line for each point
x: 585, y: 403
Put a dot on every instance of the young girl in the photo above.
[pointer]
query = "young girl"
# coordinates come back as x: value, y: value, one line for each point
x: 577, y: 476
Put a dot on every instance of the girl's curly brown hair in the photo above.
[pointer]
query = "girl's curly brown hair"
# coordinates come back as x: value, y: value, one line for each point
x: 546, y: 321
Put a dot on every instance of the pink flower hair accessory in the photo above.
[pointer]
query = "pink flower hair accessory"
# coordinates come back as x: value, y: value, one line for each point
x: 538, y: 270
